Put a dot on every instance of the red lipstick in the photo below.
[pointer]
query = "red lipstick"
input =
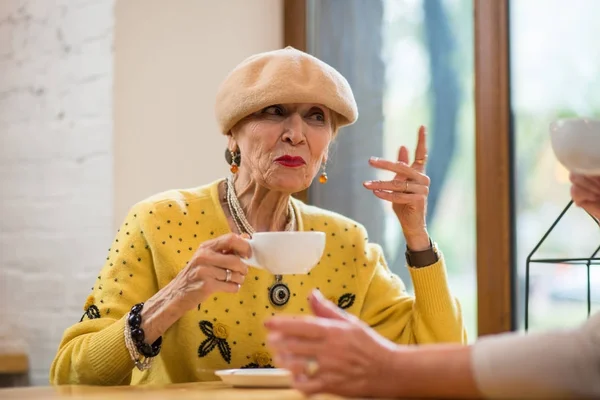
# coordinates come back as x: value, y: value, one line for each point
x: 290, y: 161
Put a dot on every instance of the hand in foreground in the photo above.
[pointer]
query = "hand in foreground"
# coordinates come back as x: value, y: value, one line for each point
x: 407, y: 191
x: 333, y: 352
x: 585, y: 191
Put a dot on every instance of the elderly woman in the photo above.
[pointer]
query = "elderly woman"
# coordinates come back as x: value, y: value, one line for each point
x: 350, y: 359
x: 174, y: 302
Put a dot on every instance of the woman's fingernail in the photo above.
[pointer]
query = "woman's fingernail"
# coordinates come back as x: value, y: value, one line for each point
x: 368, y: 183
x: 374, y: 159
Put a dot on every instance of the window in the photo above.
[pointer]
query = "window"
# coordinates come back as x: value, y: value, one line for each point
x: 410, y: 62
x: 555, y: 73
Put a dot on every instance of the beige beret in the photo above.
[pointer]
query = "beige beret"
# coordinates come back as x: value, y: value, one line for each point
x: 279, y: 77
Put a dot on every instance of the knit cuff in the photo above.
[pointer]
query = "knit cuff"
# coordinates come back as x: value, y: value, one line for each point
x: 432, y: 293
x: 108, y: 354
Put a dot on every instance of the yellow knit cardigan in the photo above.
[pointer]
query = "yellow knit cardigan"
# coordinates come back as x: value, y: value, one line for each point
x: 158, y: 239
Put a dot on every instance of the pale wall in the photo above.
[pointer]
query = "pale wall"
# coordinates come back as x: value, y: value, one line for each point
x: 56, y: 178
x: 169, y: 62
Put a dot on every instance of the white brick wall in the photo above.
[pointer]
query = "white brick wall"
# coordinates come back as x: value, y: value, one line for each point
x: 56, y: 177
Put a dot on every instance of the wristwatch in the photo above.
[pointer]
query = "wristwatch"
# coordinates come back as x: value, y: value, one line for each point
x: 423, y: 258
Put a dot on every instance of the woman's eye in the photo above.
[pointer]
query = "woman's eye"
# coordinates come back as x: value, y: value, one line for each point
x: 274, y: 110
x: 318, y: 116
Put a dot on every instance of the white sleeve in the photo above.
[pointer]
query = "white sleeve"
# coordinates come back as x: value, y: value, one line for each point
x: 549, y: 365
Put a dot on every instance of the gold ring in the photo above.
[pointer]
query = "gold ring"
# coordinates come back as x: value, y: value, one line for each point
x: 406, y: 186
x: 227, y: 275
x: 421, y: 161
x: 312, y: 367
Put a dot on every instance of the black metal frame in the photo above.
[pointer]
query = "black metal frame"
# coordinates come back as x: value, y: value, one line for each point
x: 592, y: 260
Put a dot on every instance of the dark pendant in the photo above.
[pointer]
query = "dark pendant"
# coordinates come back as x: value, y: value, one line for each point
x: 279, y: 293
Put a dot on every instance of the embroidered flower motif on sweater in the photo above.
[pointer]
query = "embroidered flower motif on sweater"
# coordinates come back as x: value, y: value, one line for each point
x: 260, y: 360
x: 221, y: 331
x: 90, y: 310
x: 216, y: 337
x: 346, y: 301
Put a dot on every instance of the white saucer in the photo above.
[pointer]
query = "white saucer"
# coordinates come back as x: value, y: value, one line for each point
x: 256, y: 377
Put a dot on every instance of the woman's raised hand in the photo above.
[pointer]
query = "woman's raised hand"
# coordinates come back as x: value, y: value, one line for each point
x: 407, y: 191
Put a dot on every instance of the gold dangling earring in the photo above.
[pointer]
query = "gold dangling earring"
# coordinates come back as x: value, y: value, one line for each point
x: 234, y: 166
x: 323, y: 176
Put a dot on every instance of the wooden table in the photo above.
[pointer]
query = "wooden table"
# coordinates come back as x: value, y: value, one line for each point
x: 195, y: 391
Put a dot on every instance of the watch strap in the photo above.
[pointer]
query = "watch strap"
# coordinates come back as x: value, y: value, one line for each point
x: 423, y: 258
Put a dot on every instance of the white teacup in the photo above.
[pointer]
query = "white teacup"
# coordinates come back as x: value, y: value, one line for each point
x: 576, y: 143
x: 283, y: 253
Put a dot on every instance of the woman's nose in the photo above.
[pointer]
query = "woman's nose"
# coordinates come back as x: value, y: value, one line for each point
x: 294, y: 130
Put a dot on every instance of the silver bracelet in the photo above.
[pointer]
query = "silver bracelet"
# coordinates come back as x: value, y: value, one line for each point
x: 142, y: 365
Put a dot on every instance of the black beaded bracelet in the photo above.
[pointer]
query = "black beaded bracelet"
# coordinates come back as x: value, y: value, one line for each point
x: 137, y: 334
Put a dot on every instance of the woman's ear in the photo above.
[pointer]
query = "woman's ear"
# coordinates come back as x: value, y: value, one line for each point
x: 231, y: 143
